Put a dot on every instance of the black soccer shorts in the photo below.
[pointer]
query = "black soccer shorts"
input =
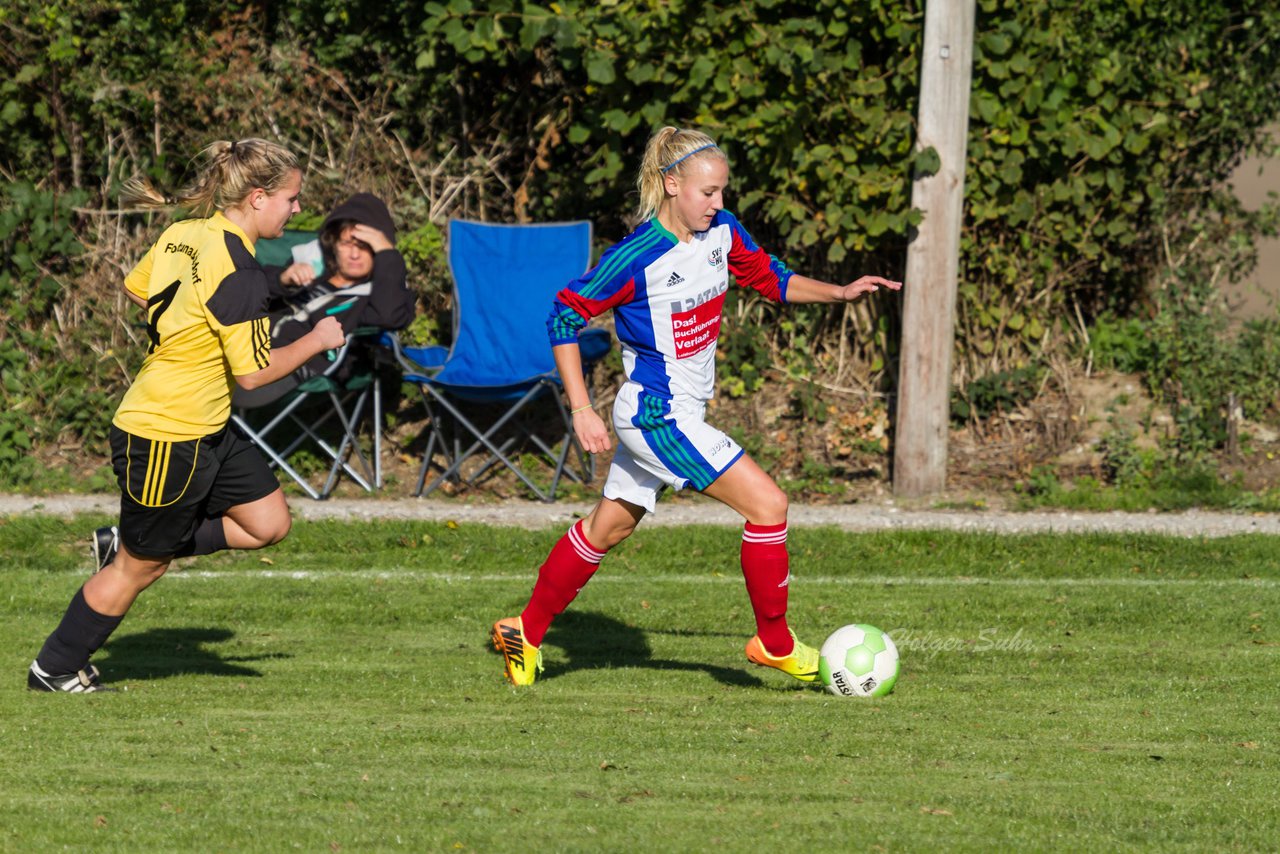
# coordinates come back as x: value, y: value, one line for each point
x: 168, y: 488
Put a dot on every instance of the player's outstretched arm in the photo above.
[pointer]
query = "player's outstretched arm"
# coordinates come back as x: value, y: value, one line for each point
x: 802, y: 289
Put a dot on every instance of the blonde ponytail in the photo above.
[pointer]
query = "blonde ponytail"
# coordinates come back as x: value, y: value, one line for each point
x: 231, y: 171
x: 141, y: 194
x: 669, y: 152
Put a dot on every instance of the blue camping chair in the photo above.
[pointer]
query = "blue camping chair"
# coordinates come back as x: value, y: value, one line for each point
x: 505, y: 278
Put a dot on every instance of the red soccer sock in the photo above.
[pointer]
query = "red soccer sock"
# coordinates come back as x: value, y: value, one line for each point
x: 766, y: 568
x: 572, y: 562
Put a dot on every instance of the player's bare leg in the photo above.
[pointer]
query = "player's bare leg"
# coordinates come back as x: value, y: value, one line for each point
x: 747, y: 489
x: 611, y: 521
x: 257, y: 524
x: 112, y: 590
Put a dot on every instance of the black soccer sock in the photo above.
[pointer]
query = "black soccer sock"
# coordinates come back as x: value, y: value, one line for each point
x: 210, y: 537
x: 79, y: 635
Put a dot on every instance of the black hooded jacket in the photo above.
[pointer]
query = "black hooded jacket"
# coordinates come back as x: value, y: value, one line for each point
x: 384, y: 302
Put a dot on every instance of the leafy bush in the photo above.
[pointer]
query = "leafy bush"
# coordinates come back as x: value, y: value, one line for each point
x: 427, y: 264
x: 1118, y: 344
x: 1171, y: 489
x: 1090, y: 123
x: 996, y: 394
x: 1192, y: 356
x: 38, y: 248
x: 53, y: 378
x: 1100, y: 136
x: 1256, y: 371
x: 742, y: 351
x: 1107, y: 127
x: 1126, y: 464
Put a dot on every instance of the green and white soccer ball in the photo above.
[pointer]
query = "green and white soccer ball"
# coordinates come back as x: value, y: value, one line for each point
x: 858, y: 661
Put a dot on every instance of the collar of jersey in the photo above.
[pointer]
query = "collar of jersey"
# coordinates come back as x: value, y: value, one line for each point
x: 220, y: 221
x: 662, y: 229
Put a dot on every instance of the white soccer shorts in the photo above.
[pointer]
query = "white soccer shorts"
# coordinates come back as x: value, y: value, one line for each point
x: 663, y: 443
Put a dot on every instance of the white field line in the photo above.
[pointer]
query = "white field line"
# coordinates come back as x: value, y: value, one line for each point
x: 606, y: 578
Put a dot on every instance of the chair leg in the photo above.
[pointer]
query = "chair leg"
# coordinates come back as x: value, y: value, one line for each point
x: 446, y: 439
x: 377, y: 432
x: 560, y: 469
x: 556, y: 461
x: 352, y: 432
x: 349, y: 440
x: 330, y: 451
x: 570, y: 441
x: 483, y: 439
x: 505, y: 447
x: 279, y: 461
x: 436, y: 440
x: 337, y: 455
x: 348, y: 421
x: 426, y: 464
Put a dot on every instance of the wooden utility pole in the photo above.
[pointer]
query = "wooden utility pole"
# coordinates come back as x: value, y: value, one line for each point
x: 929, y: 289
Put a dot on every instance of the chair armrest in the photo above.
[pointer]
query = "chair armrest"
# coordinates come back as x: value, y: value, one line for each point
x: 429, y: 357
x: 411, y: 360
x: 594, y: 345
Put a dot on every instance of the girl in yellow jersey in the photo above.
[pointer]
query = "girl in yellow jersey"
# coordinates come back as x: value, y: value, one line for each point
x: 190, y: 485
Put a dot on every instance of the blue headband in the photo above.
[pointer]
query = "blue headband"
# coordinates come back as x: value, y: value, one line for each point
x: 673, y: 164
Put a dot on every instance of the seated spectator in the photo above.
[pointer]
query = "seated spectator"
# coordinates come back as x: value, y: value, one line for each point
x: 362, y: 285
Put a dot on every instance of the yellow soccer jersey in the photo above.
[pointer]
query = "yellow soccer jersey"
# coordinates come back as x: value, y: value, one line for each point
x: 206, y: 320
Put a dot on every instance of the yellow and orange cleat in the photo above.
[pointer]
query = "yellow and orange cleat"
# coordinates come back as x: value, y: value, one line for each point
x: 802, y: 663
x: 522, y: 661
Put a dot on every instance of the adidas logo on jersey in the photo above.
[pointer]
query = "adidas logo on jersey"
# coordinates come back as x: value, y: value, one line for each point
x: 676, y: 279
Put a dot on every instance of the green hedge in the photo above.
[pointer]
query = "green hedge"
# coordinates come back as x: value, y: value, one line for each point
x: 1101, y: 134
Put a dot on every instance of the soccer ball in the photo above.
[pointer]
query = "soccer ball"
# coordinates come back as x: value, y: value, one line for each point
x: 858, y: 661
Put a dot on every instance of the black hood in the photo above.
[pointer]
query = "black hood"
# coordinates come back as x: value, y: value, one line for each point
x: 367, y: 209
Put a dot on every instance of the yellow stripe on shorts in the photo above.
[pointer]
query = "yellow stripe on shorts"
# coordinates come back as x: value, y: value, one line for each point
x: 156, y: 476
x: 157, y: 465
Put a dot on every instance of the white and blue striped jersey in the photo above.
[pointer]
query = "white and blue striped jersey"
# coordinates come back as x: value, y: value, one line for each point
x: 667, y: 299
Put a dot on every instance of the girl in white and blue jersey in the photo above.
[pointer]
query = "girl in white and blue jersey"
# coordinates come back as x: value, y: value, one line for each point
x: 666, y: 284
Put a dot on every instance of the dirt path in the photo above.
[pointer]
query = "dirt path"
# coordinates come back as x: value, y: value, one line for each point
x: 867, y: 516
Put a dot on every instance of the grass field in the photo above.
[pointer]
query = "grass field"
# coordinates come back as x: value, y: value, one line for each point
x: 337, y: 693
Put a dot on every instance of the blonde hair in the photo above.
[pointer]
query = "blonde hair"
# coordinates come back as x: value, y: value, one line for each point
x: 669, y: 152
x: 231, y: 171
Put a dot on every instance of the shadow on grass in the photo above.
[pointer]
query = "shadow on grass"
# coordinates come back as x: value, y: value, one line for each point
x: 161, y: 653
x: 592, y: 640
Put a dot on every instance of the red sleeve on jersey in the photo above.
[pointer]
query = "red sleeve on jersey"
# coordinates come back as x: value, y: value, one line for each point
x: 571, y: 311
x: 754, y: 268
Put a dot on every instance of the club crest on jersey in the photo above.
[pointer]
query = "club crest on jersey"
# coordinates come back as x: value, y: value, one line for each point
x: 676, y: 279
x: 716, y: 259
